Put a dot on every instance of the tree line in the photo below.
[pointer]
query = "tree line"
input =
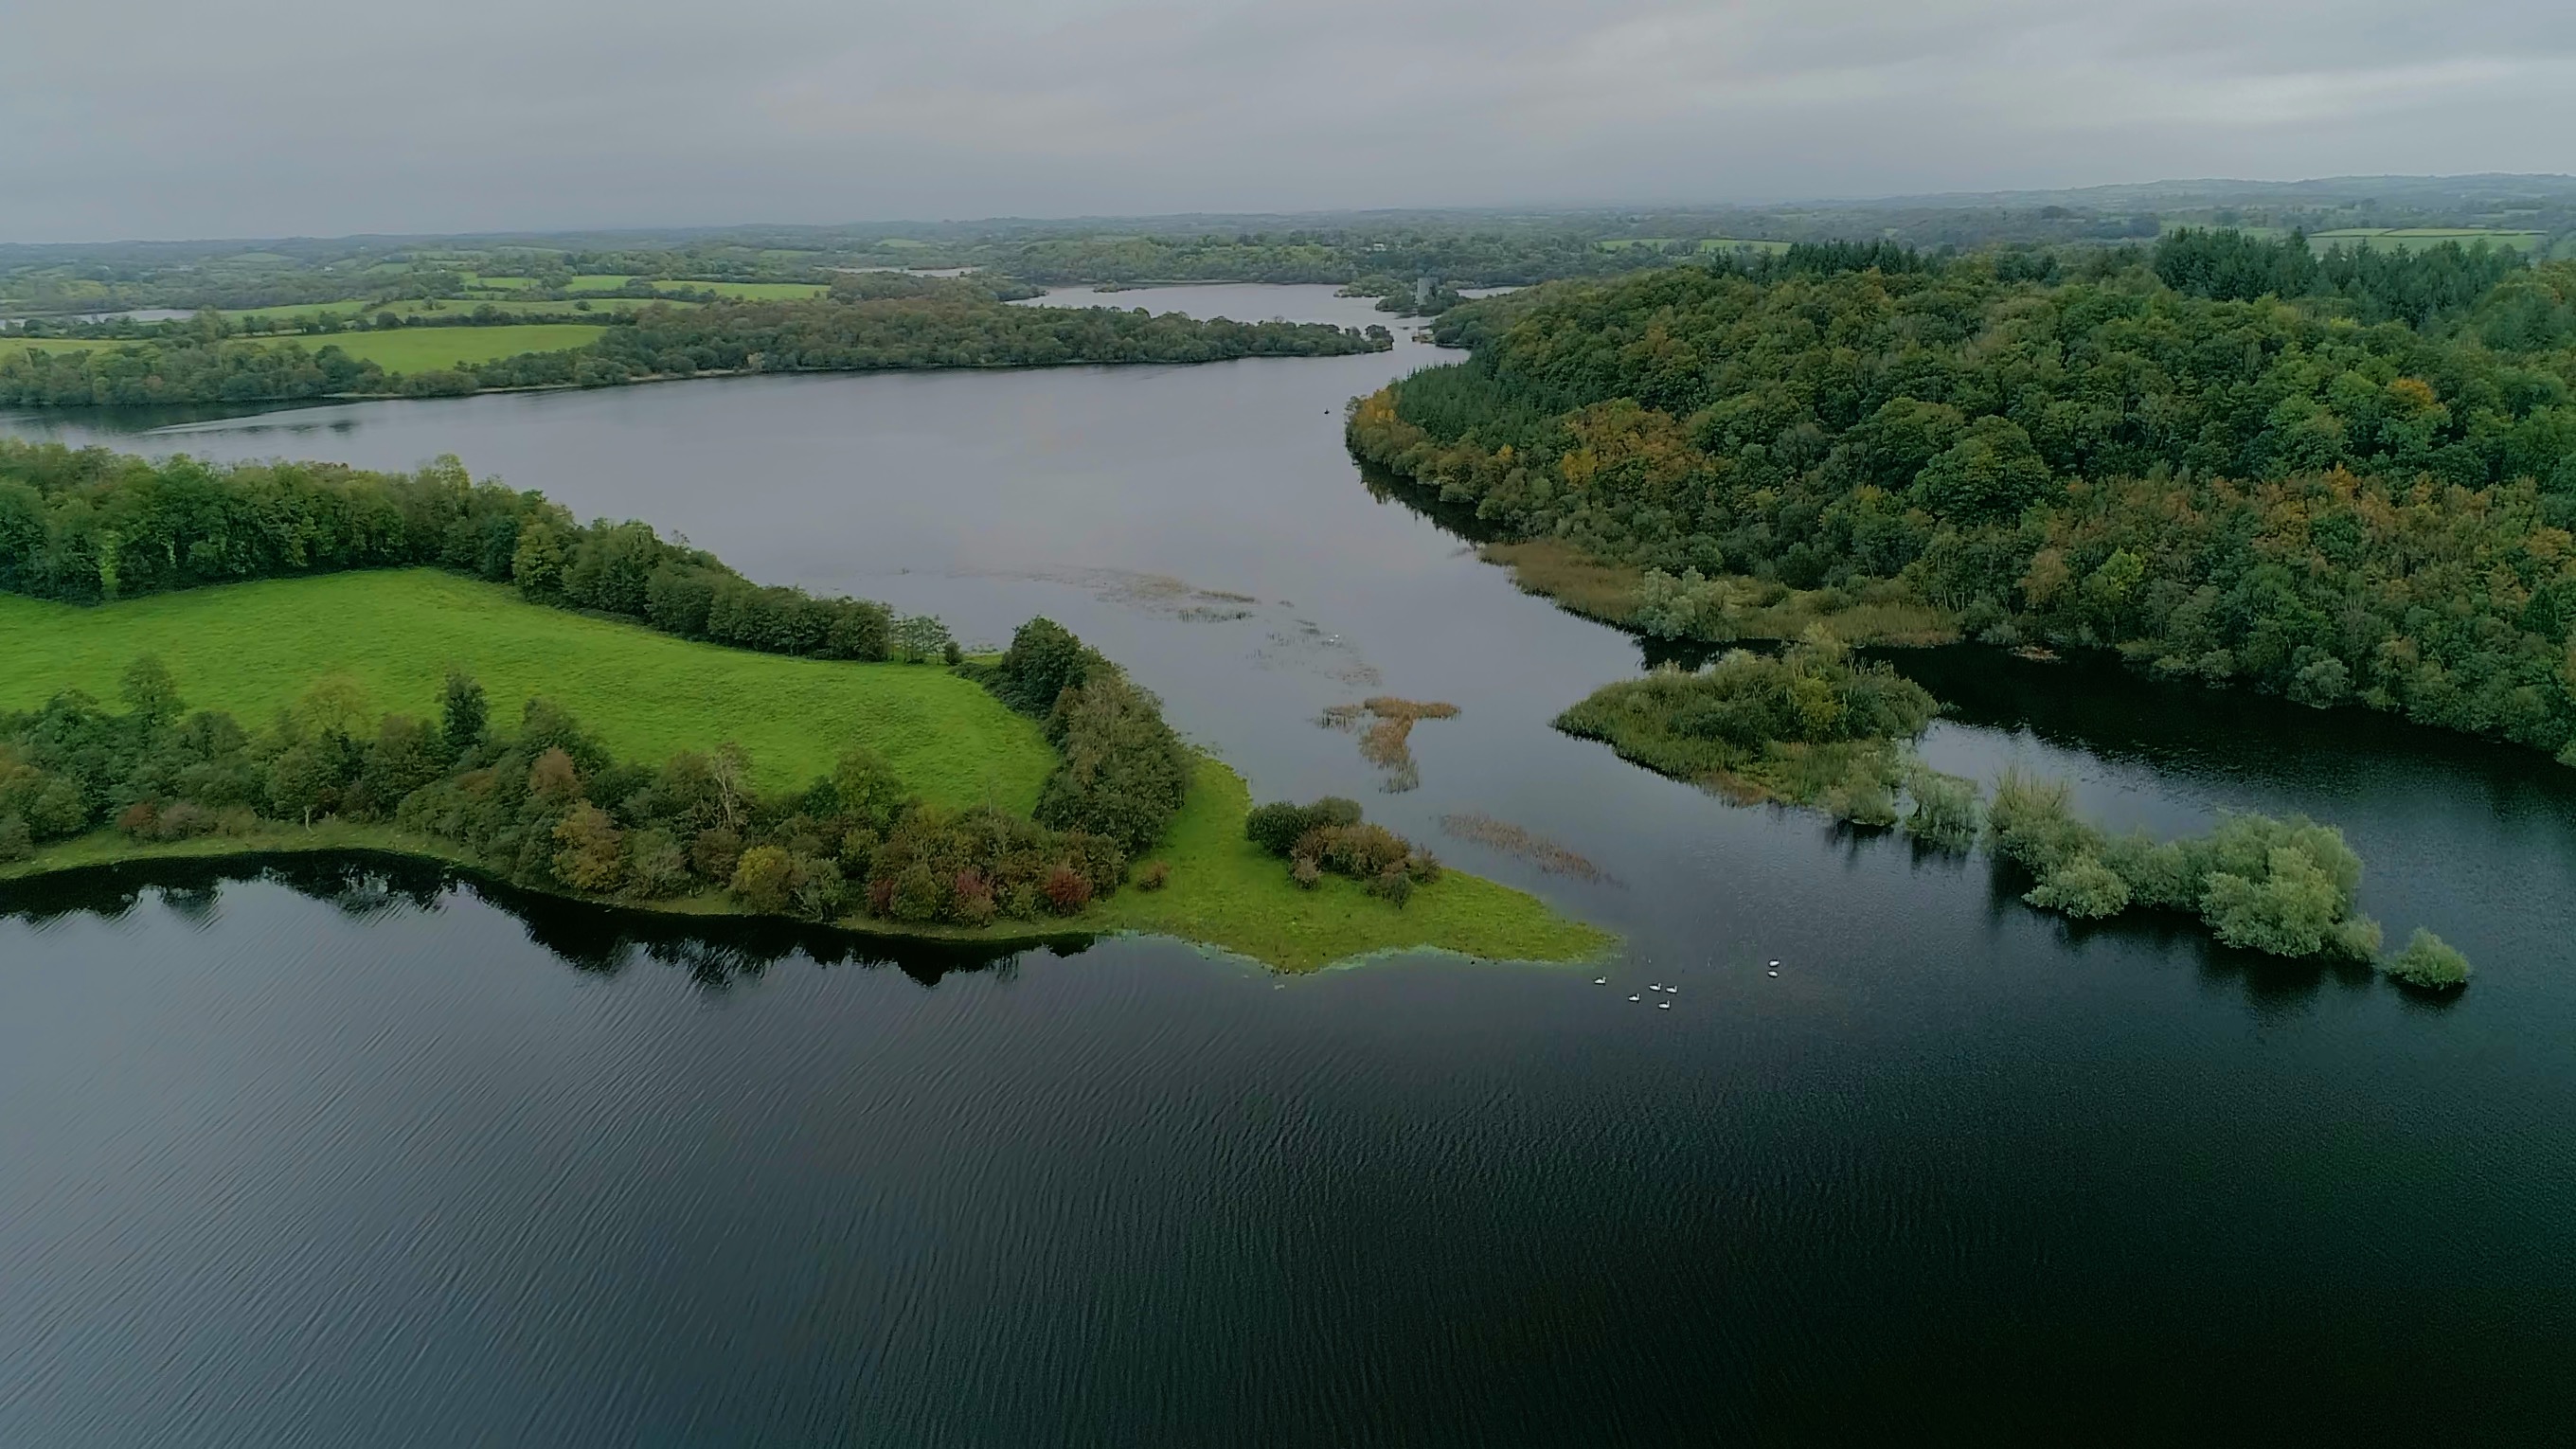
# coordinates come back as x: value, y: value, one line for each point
x: 2271, y: 492
x: 543, y: 805
x: 957, y: 324
x: 1122, y: 772
x: 91, y: 525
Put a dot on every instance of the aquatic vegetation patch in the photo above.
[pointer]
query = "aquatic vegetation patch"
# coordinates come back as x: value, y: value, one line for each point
x: 2281, y: 887
x: 1385, y: 724
x: 1805, y: 726
x: 1538, y: 850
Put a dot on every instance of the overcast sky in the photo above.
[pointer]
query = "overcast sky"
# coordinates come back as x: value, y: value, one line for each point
x: 180, y: 118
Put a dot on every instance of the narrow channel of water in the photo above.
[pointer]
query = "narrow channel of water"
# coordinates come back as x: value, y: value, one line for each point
x: 305, y: 1159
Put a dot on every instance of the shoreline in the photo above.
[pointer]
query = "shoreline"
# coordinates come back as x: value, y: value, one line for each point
x: 1337, y: 923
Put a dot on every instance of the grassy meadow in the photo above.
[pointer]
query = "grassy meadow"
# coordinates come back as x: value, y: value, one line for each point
x: 427, y: 349
x: 249, y: 649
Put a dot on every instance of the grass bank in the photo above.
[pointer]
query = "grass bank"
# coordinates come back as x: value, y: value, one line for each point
x: 1224, y: 893
x: 249, y: 649
x: 407, y: 349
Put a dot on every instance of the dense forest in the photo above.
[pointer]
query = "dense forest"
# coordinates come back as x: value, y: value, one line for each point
x: 2295, y: 490
x: 897, y: 323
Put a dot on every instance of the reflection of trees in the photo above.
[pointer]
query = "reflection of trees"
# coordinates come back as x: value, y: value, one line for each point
x: 713, y: 950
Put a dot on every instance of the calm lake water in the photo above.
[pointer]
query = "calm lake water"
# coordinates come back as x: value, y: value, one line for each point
x: 356, y: 1153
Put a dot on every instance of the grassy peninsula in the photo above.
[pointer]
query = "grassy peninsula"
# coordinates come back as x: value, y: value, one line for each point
x: 624, y: 719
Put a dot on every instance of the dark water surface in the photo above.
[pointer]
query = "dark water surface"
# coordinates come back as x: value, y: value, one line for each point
x: 358, y: 1153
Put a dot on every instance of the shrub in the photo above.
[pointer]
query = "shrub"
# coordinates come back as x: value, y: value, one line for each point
x: 1155, y: 875
x: 2083, y: 887
x: 817, y: 889
x: 2290, y: 910
x: 1946, y: 811
x: 1276, y: 826
x: 140, y: 821
x: 765, y: 879
x: 2032, y: 823
x: 593, y: 854
x: 914, y: 895
x: 655, y: 864
x: 1067, y: 890
x: 16, y: 841
x: 714, y: 852
x: 1393, y: 886
x: 973, y: 895
x: 2429, y: 961
x: 1863, y: 799
x: 1306, y: 873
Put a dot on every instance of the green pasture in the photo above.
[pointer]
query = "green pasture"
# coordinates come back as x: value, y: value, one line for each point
x: 427, y: 349
x: 250, y: 649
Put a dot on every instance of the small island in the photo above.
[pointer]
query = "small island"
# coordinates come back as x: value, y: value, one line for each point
x: 313, y: 658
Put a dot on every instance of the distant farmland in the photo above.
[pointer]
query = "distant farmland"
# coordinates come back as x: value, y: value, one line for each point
x: 410, y: 349
x: 753, y: 291
x: 2411, y: 238
x: 1705, y: 244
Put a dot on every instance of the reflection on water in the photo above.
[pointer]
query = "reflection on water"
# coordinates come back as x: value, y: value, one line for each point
x: 364, y: 886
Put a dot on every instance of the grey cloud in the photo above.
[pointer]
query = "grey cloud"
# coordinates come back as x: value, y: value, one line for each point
x: 158, y: 118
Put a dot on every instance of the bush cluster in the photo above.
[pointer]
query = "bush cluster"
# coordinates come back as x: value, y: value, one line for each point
x: 545, y: 806
x: 2282, y: 887
x: 1808, y: 724
x: 1124, y: 771
x: 1330, y: 836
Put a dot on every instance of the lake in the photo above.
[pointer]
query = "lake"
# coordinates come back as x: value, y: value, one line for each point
x: 356, y: 1152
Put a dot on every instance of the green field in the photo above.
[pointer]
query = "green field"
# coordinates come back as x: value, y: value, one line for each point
x: 752, y: 291
x: 426, y: 349
x: 249, y: 648
x: 2414, y: 237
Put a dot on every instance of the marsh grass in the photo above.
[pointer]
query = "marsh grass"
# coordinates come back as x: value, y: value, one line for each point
x: 1882, y: 613
x: 1386, y: 741
x: 1513, y: 840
